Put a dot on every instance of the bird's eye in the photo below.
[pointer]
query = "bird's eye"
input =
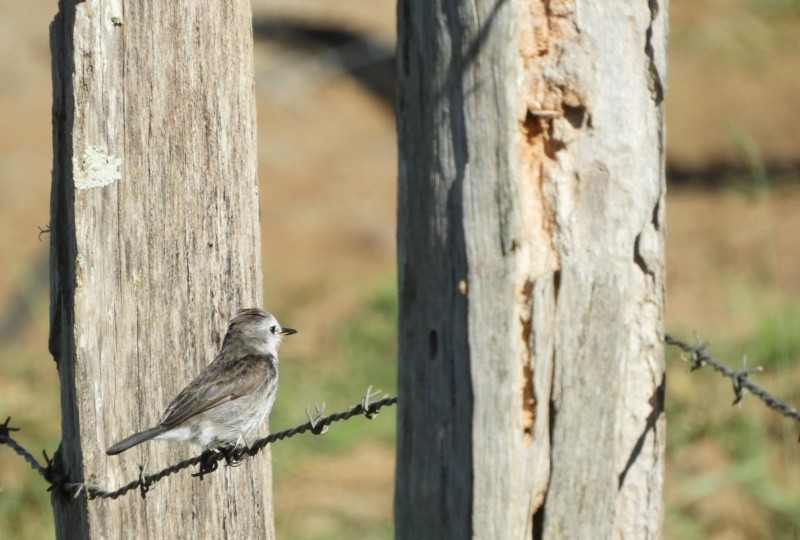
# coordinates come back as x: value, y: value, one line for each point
x: 272, y: 329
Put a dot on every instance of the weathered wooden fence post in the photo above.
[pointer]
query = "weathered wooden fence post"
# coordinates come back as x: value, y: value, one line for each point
x: 530, y: 268
x: 155, y: 242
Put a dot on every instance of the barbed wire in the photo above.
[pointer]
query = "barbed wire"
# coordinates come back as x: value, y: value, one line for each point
x: 5, y: 438
x: 318, y: 424
x: 208, y: 461
x: 740, y: 378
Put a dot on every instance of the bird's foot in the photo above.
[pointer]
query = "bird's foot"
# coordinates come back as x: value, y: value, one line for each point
x: 234, y: 454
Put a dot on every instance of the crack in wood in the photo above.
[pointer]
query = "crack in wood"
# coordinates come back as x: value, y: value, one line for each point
x: 528, y: 412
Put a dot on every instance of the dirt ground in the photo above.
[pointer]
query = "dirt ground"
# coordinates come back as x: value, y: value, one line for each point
x: 327, y: 167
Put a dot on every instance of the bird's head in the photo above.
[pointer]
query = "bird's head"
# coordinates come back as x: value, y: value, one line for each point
x: 255, y: 329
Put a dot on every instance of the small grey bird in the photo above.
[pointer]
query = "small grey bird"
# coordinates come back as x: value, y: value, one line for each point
x: 232, y: 396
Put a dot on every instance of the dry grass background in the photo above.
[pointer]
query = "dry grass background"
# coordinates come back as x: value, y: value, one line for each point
x: 327, y: 164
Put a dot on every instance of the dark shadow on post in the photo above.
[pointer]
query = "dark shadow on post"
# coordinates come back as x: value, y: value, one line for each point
x: 657, y: 408
x: 71, y: 516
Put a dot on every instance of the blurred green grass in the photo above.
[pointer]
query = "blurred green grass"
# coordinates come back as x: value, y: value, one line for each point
x: 732, y: 471
x: 362, y: 354
x: 29, y: 389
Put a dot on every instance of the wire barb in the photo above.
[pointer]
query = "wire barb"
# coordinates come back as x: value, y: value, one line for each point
x: 314, y: 420
x: 5, y: 429
x: 5, y: 438
x: 740, y: 378
x: 43, y: 230
x: 208, y: 461
x: 365, y: 403
x: 145, y: 483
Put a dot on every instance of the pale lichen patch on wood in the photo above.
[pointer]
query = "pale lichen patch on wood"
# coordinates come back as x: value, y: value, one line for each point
x: 95, y: 168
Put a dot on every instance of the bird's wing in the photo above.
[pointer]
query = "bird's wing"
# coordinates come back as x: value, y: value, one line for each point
x: 223, y: 380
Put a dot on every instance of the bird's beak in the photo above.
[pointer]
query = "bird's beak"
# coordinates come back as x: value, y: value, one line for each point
x: 287, y: 331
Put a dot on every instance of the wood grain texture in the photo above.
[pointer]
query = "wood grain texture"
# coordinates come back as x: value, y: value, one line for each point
x: 155, y: 244
x: 530, y: 269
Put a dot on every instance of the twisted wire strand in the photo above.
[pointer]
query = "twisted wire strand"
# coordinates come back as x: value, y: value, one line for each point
x: 208, y: 460
x: 742, y: 384
x: 5, y: 438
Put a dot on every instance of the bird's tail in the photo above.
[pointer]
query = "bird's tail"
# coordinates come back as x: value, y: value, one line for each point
x: 136, y: 438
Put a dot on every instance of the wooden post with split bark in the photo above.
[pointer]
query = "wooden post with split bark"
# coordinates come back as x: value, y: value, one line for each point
x: 155, y: 243
x: 530, y: 268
